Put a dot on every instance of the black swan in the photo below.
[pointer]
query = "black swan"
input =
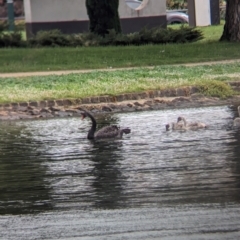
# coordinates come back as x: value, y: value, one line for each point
x: 192, y: 125
x: 111, y: 131
x: 236, y: 121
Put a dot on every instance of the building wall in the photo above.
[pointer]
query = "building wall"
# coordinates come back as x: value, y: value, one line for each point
x: 71, y: 16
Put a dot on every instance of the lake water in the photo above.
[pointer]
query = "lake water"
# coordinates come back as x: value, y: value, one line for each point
x: 152, y: 184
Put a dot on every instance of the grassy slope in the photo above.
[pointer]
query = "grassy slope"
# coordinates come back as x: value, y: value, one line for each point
x: 45, y: 59
x: 210, y: 78
x: 122, y: 81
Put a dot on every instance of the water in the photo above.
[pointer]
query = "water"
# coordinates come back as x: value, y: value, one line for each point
x: 56, y: 184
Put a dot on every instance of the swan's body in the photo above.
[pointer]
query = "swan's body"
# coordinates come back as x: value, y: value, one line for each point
x: 175, y: 126
x: 179, y: 125
x: 191, y: 125
x: 111, y: 131
x: 236, y: 121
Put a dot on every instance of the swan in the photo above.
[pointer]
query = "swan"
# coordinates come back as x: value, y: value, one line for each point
x: 179, y: 125
x: 111, y: 131
x: 236, y: 121
x: 192, y: 125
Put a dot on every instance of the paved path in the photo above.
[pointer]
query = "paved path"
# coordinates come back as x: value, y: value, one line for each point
x: 64, y: 72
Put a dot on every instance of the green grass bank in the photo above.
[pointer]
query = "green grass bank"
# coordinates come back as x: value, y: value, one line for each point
x: 210, y: 79
x: 49, y: 59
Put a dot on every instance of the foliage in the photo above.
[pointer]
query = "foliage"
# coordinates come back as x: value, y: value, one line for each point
x: 112, y: 38
x: 215, y: 88
x: 176, y: 4
x: 12, y: 39
x: 103, y: 16
x: 50, y: 38
x: 69, y: 58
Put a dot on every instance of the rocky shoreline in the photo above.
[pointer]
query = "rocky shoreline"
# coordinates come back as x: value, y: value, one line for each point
x: 185, y: 97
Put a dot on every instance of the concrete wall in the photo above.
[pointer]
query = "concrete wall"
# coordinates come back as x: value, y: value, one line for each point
x: 203, y: 12
x: 71, y: 16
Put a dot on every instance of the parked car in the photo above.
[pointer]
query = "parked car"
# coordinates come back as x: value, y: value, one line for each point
x: 173, y: 17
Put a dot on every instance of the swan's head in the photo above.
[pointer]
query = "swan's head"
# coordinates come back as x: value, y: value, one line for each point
x: 180, y: 119
x: 168, y: 127
x: 83, y: 115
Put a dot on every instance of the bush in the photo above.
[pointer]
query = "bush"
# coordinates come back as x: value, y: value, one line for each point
x: 215, y: 88
x: 50, y: 38
x: 176, y: 4
x: 10, y: 39
x: 55, y: 38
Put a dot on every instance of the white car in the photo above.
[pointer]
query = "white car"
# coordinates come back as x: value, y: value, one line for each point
x: 173, y: 17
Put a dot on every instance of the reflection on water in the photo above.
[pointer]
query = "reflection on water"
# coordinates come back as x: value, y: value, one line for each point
x: 50, y: 165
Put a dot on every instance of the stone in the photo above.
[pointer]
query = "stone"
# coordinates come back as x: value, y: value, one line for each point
x: 22, y: 109
x: 59, y: 102
x: 135, y: 96
x: 66, y: 102
x: 63, y: 114
x: 50, y: 103
x: 106, y: 109
x: 94, y: 100
x: 42, y: 104
x: 54, y: 109
x: 149, y: 103
x: 46, y: 115
x: 86, y: 100
x: 44, y: 110
x: 181, y: 92
x: 197, y: 95
x: 128, y: 96
x: 120, y: 97
x: 102, y: 99
x: 194, y: 90
x: 144, y: 95
x: 34, y: 112
x: 23, y: 104
x: 138, y: 104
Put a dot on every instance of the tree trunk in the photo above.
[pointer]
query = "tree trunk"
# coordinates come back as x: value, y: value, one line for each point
x: 231, y: 31
x: 103, y: 16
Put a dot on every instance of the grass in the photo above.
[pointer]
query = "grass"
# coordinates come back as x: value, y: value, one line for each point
x: 49, y: 59
x: 211, y: 79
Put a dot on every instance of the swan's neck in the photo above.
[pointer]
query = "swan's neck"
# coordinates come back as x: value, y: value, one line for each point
x: 93, y: 128
x: 184, y: 121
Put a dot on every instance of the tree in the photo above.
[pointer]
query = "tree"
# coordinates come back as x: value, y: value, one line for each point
x: 231, y: 31
x: 103, y: 16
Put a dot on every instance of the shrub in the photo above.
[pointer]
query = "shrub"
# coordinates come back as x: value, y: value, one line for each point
x: 12, y: 39
x: 50, y: 38
x: 145, y: 36
x: 215, y: 88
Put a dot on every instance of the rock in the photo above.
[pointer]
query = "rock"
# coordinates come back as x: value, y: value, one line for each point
x: 138, y: 104
x: 54, y: 109
x: 46, y: 115
x: 63, y: 114
x: 44, y: 110
x: 106, y: 109
x: 34, y: 112
x: 22, y: 109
